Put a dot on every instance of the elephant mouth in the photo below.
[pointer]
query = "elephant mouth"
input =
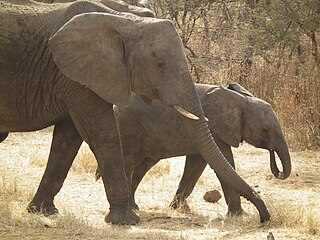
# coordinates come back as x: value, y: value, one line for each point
x: 264, y: 145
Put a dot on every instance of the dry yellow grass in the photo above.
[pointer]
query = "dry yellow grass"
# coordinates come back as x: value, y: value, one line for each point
x: 85, y: 161
x: 293, y: 203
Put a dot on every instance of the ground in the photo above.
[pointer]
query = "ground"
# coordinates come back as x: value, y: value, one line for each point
x: 293, y: 203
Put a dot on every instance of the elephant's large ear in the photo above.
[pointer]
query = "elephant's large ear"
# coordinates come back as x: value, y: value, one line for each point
x: 90, y: 49
x: 222, y: 108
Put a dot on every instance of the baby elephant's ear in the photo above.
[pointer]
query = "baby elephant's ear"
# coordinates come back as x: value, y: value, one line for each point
x: 238, y: 88
x: 122, y: 6
x: 225, y: 115
x: 90, y: 49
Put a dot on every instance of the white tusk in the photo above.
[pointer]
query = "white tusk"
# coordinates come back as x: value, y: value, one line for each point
x: 185, y: 113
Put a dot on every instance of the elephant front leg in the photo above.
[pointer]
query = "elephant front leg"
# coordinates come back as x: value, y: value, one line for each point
x: 232, y: 198
x: 65, y: 145
x: 193, y: 169
x: 96, y: 124
x: 116, y: 184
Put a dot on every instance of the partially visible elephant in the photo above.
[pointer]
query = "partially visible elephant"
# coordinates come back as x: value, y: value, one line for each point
x: 67, y: 64
x: 153, y: 132
x: 119, y: 6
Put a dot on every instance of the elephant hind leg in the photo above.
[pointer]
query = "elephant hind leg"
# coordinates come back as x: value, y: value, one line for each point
x: 138, y: 174
x: 193, y: 169
x: 65, y: 145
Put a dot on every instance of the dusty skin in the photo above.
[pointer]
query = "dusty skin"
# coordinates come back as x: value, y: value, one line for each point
x: 294, y: 203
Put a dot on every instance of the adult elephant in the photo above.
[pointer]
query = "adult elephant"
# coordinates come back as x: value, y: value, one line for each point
x: 67, y: 64
x: 116, y: 5
x: 151, y: 133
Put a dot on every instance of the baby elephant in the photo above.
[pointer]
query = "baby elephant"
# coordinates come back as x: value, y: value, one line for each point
x: 153, y: 132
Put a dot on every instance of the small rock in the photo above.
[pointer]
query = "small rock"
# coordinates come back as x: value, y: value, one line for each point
x: 212, y: 196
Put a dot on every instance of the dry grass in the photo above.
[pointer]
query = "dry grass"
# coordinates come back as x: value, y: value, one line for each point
x: 85, y: 161
x: 158, y: 171
x: 293, y: 203
x: 305, y: 219
x: 15, y: 223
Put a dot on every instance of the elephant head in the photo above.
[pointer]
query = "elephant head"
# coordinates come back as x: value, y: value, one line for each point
x: 242, y: 117
x: 115, y: 54
x: 267, y: 134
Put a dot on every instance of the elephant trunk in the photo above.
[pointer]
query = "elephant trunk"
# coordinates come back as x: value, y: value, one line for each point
x: 284, y: 156
x: 198, y: 130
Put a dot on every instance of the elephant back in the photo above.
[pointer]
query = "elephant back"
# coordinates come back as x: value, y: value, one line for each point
x: 204, y: 89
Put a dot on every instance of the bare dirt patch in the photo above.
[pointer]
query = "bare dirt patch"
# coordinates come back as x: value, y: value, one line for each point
x: 293, y: 203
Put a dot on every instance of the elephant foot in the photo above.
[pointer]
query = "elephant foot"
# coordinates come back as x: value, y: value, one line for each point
x: 42, y: 208
x: 265, y: 216
x: 122, y: 216
x: 182, y: 207
x: 236, y: 212
x: 174, y: 204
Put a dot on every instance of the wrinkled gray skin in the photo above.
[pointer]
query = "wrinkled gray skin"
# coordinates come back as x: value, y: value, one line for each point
x: 154, y: 132
x: 67, y: 64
